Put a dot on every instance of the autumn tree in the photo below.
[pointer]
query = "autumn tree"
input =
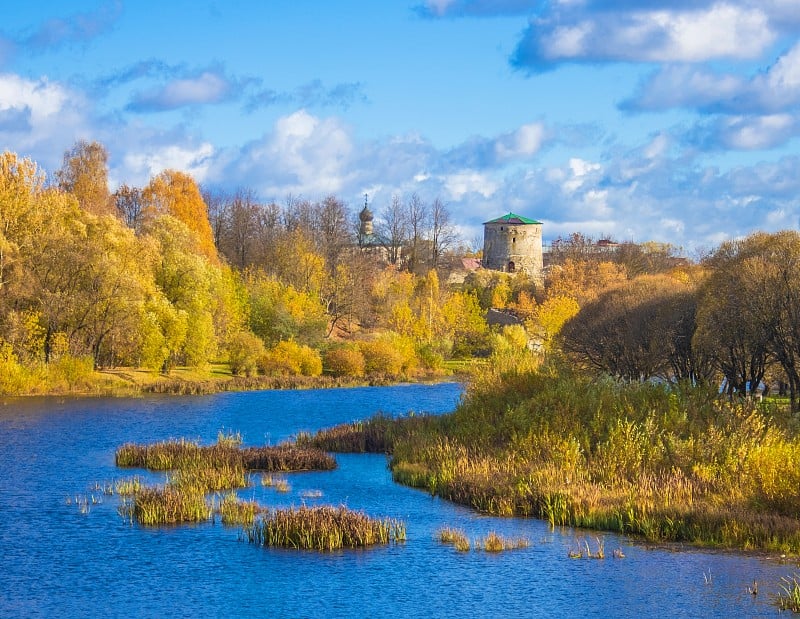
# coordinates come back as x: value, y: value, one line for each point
x: 176, y: 194
x: 84, y: 174
x: 749, y: 313
x: 632, y: 330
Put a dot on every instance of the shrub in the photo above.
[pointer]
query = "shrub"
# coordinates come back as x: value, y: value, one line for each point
x: 344, y: 361
x: 291, y: 359
x: 390, y: 355
x: 244, y: 351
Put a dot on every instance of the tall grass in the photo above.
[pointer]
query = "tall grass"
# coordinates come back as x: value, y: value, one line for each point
x: 196, y: 470
x: 323, y: 528
x: 665, y: 463
x: 184, y: 454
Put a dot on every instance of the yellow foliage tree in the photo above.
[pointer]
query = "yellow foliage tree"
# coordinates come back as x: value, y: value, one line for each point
x: 551, y: 315
x: 176, y: 193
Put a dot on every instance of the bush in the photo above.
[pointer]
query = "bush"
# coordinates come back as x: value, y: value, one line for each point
x: 389, y: 355
x: 244, y: 351
x: 14, y: 378
x: 344, y: 361
x: 291, y: 359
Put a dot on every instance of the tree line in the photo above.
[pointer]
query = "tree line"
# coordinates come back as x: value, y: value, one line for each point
x: 733, y: 319
x: 169, y: 274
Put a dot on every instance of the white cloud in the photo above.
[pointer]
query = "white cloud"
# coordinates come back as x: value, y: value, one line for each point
x: 524, y: 142
x: 207, y: 87
x: 462, y: 184
x: 194, y: 161
x: 722, y: 30
x: 757, y: 132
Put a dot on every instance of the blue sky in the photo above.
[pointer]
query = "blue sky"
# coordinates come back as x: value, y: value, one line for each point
x: 640, y: 120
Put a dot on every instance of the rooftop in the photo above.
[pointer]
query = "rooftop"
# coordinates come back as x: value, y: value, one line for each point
x: 512, y: 218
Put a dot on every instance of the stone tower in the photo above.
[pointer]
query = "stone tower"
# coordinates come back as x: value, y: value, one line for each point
x: 512, y: 243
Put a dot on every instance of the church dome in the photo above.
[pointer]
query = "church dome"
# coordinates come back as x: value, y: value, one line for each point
x: 365, y: 215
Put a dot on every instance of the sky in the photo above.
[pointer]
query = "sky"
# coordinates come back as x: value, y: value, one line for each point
x: 666, y: 120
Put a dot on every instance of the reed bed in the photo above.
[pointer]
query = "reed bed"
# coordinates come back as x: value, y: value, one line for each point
x: 234, y: 511
x: 377, y: 434
x: 667, y: 463
x: 185, y: 454
x: 323, y: 528
x: 165, y: 505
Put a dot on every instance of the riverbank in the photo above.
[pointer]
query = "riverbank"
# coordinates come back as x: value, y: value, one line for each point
x: 664, y: 464
x: 214, y: 378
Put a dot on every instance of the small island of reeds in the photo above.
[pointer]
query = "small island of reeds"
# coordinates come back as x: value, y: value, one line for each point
x: 323, y: 528
x: 195, y: 471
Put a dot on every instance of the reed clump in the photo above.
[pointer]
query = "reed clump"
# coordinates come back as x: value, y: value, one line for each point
x: 234, y: 511
x: 195, y: 470
x: 323, y: 528
x: 664, y: 462
x: 185, y: 454
x: 788, y: 598
x: 376, y: 434
x: 166, y: 505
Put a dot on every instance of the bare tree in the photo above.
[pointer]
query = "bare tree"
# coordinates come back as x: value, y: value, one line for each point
x: 394, y: 229
x: 129, y: 204
x: 417, y: 216
x: 443, y: 234
x: 332, y: 231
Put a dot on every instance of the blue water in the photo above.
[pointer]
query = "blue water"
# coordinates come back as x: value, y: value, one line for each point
x: 61, y: 559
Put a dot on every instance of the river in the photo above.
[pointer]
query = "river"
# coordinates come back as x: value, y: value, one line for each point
x: 67, y: 552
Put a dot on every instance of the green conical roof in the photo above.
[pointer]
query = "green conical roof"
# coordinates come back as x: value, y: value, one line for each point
x: 512, y: 218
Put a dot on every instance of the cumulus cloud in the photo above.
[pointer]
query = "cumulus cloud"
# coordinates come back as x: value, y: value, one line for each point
x: 194, y: 160
x: 482, y: 152
x: 38, y: 115
x: 773, y: 90
x: 301, y: 154
x: 722, y: 30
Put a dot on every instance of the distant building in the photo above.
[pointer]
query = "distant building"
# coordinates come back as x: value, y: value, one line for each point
x: 372, y: 243
x: 513, y: 244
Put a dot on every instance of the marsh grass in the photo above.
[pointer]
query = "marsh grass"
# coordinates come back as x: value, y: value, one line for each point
x: 234, y: 511
x: 497, y: 543
x: 456, y: 537
x: 165, y: 505
x: 194, y: 471
x: 663, y: 463
x: 184, y: 454
x: 788, y: 598
x: 581, y: 549
x: 492, y: 542
x: 322, y: 528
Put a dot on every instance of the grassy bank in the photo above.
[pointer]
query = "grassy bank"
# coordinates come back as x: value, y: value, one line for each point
x: 666, y: 464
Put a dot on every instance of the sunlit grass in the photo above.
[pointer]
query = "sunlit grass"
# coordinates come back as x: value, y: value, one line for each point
x: 323, y: 528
